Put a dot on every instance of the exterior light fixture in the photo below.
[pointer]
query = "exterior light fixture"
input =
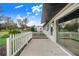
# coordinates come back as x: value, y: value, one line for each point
x: 52, y: 24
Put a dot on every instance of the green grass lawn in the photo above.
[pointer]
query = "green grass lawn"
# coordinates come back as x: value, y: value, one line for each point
x: 2, y: 41
x: 3, y: 36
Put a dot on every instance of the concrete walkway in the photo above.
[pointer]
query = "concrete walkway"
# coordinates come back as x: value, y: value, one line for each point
x: 42, y: 47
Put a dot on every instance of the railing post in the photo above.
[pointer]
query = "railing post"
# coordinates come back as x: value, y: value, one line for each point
x: 8, y: 46
x: 70, y: 33
x: 31, y: 34
x: 13, y: 45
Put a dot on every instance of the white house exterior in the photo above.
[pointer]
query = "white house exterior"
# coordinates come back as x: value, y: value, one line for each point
x: 51, y: 26
x: 38, y: 28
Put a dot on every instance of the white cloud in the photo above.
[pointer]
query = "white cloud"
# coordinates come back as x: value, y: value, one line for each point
x: 36, y: 14
x: 2, y: 22
x: 40, y: 5
x: 36, y: 9
x: 28, y: 13
x: 18, y: 16
x: 19, y: 6
x: 31, y: 23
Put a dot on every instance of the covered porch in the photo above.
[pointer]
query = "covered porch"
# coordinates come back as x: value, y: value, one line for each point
x: 37, y: 44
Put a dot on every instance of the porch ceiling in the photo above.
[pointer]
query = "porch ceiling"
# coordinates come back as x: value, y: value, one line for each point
x: 50, y: 10
x: 71, y: 16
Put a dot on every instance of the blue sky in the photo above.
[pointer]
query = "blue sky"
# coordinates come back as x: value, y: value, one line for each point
x: 32, y: 11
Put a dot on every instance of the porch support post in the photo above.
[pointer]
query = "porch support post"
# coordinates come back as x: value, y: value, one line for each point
x: 55, y: 32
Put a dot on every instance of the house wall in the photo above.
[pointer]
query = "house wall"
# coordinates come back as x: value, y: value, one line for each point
x: 38, y: 28
x: 53, y: 37
x: 48, y: 32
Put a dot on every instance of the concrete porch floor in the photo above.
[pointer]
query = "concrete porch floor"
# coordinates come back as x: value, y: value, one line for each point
x: 42, y: 47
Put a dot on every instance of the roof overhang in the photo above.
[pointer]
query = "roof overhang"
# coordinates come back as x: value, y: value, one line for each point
x: 50, y: 10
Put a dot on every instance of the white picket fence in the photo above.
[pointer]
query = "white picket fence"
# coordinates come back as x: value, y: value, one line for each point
x: 16, y: 43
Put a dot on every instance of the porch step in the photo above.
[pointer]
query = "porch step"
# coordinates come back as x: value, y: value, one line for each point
x: 39, y: 35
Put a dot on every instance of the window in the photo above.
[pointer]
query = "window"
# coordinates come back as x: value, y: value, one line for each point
x: 68, y: 32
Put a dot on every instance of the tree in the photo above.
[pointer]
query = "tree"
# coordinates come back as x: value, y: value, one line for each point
x: 33, y: 28
x: 25, y: 20
x: 8, y: 23
x: 0, y: 27
x: 23, y: 23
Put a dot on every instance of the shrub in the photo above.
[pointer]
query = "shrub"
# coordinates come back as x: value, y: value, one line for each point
x: 32, y: 29
x: 5, y: 36
x: 14, y: 31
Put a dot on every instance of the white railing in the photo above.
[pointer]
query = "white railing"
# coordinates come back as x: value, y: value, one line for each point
x: 16, y: 43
